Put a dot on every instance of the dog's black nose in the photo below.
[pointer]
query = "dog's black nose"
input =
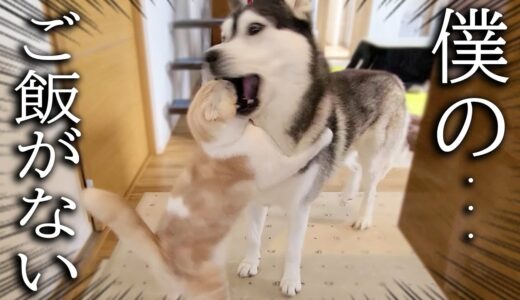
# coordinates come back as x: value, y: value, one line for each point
x: 212, y: 56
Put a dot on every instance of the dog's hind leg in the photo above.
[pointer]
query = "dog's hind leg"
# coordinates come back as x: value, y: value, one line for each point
x: 377, y: 150
x: 351, y: 188
x: 249, y: 265
x: 371, y: 177
x: 373, y: 154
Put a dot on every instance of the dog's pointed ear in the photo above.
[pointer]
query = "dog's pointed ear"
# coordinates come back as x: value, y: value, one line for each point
x: 301, y: 8
x: 235, y: 4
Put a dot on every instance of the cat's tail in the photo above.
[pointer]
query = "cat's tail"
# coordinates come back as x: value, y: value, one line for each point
x: 113, y: 211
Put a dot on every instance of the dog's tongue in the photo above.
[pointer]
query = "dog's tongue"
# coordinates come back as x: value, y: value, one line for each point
x: 250, y: 85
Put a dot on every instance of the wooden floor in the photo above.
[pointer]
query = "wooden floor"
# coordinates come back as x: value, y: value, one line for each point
x: 159, y: 175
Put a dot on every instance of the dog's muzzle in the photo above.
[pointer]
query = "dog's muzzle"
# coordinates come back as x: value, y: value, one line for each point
x: 247, y: 87
x: 213, y: 60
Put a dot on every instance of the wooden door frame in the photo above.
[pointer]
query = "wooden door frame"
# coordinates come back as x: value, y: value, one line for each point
x: 138, y: 28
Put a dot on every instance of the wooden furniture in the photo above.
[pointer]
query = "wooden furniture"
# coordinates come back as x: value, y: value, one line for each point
x: 113, y: 97
x: 437, y: 218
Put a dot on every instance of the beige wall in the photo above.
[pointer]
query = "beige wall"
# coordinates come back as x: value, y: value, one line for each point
x: 113, y: 102
x: 342, y: 26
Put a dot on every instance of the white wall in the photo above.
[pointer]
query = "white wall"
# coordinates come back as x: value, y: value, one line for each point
x: 162, y: 46
x: 159, y: 52
x: 397, y: 31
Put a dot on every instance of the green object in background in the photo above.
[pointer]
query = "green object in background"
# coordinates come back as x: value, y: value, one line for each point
x: 336, y: 68
x: 416, y: 103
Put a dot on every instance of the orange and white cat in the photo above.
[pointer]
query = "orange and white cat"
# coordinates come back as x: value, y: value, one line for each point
x: 234, y: 160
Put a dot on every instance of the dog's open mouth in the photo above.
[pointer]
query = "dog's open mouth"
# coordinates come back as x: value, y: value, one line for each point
x: 247, y: 88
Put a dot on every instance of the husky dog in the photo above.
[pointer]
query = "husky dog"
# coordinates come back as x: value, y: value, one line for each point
x: 284, y: 85
x: 236, y: 160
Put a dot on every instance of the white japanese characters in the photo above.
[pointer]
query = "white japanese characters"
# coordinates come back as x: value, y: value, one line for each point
x: 35, y: 105
x: 43, y: 99
x: 501, y: 126
x: 479, y: 49
x: 478, y: 54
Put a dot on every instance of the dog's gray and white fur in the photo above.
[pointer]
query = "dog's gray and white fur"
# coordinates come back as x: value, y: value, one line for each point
x: 298, y: 99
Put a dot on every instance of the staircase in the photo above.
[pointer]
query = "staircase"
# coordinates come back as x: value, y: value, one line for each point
x: 180, y: 106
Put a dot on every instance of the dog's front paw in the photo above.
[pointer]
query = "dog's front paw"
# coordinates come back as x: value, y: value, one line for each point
x: 248, y: 268
x: 362, y: 223
x: 291, y: 286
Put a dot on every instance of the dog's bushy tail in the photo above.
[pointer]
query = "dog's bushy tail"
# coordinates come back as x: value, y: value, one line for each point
x: 114, y: 212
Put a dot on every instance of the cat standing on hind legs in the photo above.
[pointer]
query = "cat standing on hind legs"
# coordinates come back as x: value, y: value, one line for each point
x: 235, y: 161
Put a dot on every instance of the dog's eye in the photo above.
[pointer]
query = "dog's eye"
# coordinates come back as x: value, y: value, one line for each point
x: 255, y: 28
